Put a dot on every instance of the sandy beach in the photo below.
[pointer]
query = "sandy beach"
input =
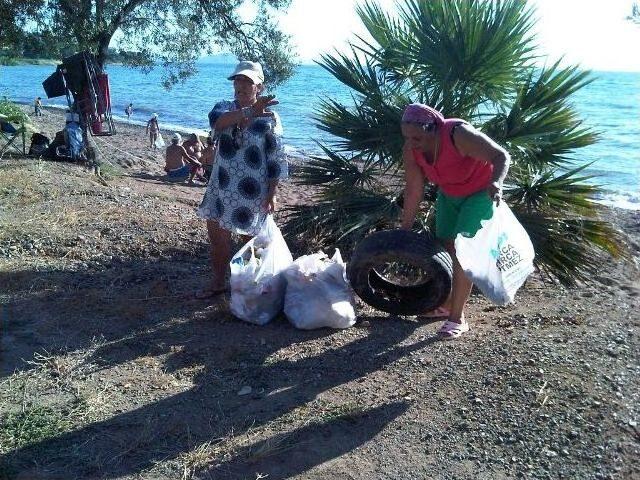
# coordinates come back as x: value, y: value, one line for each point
x: 126, y: 376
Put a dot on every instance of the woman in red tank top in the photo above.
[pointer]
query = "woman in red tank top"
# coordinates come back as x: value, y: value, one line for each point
x: 469, y: 169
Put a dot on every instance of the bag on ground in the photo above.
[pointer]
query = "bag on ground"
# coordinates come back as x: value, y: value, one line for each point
x: 159, y: 143
x: 499, y: 258
x: 257, y: 284
x: 318, y: 294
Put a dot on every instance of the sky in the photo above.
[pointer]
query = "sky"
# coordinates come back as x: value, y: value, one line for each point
x: 591, y: 33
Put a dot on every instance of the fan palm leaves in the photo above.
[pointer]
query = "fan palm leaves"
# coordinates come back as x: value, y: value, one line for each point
x: 471, y: 59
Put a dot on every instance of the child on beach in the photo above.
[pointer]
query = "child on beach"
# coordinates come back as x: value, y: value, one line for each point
x: 208, y: 156
x: 129, y: 111
x: 153, y: 129
x: 469, y: 169
x: 37, y: 106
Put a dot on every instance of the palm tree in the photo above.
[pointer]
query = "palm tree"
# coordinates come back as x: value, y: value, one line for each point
x: 472, y: 59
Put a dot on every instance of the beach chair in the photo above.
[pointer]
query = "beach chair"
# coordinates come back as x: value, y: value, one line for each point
x: 13, y: 136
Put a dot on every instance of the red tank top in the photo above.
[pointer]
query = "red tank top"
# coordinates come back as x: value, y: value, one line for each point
x: 456, y: 174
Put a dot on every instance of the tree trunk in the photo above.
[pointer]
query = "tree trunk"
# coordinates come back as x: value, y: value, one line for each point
x: 103, y: 49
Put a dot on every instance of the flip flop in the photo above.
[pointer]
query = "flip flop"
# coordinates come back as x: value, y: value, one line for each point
x: 439, y: 312
x: 452, y: 330
x: 210, y: 293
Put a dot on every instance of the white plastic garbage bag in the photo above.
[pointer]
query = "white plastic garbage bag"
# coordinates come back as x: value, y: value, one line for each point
x: 499, y: 258
x: 318, y: 294
x: 257, y: 284
x: 159, y: 143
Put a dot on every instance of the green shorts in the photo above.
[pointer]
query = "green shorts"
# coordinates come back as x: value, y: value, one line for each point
x: 456, y: 215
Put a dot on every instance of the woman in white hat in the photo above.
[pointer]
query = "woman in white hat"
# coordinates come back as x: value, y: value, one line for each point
x: 249, y: 162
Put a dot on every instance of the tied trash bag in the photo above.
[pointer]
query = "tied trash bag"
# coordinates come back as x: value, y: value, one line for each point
x: 499, y: 258
x: 73, y: 133
x: 257, y: 285
x: 159, y: 143
x: 318, y: 294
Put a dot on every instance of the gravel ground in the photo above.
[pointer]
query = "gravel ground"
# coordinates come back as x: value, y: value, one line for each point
x: 110, y: 369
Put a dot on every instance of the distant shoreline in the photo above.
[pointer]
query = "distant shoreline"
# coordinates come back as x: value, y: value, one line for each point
x: 17, y: 61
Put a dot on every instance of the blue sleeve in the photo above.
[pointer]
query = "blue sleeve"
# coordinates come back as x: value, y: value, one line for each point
x: 218, y: 109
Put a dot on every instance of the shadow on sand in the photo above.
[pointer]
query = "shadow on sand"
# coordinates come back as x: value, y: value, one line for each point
x: 140, y: 308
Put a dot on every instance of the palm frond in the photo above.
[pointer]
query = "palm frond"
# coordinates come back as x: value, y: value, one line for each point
x: 550, y: 191
x: 336, y: 171
x: 571, y: 249
x: 372, y: 129
x: 469, y: 50
x: 342, y: 220
x: 364, y: 77
x: 541, y: 127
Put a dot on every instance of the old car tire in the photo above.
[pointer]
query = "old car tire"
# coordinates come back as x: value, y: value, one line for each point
x: 402, y: 246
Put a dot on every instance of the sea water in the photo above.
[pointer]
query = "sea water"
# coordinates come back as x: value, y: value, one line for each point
x: 610, y: 105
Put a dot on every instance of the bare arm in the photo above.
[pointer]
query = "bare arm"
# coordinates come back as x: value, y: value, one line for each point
x: 189, y: 158
x: 413, y: 190
x: 228, y: 119
x: 473, y: 143
x: 270, y: 202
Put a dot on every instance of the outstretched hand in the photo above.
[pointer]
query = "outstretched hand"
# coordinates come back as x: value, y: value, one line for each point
x: 261, y: 105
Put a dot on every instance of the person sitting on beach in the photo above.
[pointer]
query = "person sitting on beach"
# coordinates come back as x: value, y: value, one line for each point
x: 129, y: 111
x: 37, y: 105
x: 469, y: 169
x: 249, y: 162
x: 194, y: 146
x: 208, y: 156
x: 153, y: 129
x: 179, y: 164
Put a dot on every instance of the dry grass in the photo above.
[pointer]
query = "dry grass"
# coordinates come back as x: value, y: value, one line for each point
x: 267, y: 440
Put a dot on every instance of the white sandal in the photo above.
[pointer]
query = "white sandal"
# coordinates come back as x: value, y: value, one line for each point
x: 452, y: 330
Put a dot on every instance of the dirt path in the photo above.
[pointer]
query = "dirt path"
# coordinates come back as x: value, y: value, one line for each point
x: 110, y: 370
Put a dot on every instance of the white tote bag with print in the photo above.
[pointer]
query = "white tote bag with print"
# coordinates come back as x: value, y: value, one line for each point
x: 499, y: 258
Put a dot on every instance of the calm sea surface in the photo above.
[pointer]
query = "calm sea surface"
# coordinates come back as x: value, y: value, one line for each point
x: 611, y: 104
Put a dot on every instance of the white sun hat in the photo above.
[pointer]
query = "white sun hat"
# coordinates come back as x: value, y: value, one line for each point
x: 252, y: 70
x: 176, y: 137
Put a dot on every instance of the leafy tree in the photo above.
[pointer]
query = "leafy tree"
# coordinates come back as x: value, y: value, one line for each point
x: 13, y: 18
x: 172, y: 33
x: 471, y: 59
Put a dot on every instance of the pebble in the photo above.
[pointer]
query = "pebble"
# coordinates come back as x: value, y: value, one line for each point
x: 246, y: 390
